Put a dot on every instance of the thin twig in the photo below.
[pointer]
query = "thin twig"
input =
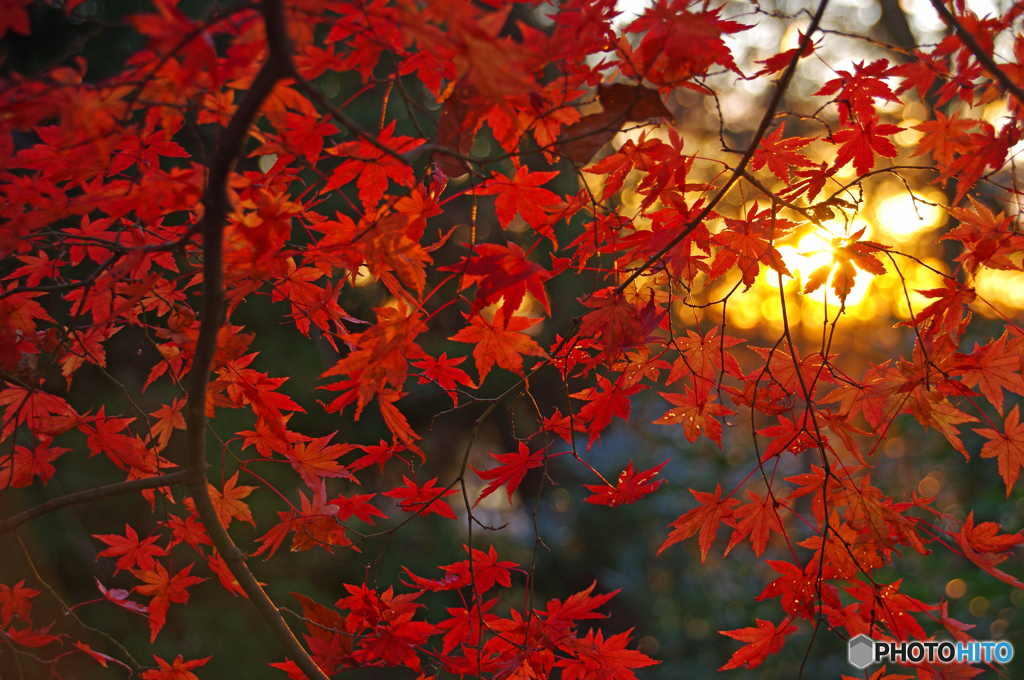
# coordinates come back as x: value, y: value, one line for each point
x: 96, y: 493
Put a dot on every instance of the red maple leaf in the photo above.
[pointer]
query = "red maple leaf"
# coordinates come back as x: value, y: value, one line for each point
x: 615, y: 322
x: 16, y: 601
x: 169, y: 418
x: 781, y: 154
x: 513, y: 467
x: 764, y: 640
x: 130, y: 551
x: 503, y: 273
x: 696, y: 416
x: 599, y: 659
x: 164, y: 589
x: 179, y: 669
x: 705, y: 519
x: 1007, y: 447
x: 861, y: 141
x: 424, y: 499
x: 604, y: 402
x: 21, y: 469
x: 443, y: 371
x: 505, y: 346
x: 749, y: 243
x: 802, y: 590
x: 372, y: 166
x: 228, y: 503
x: 630, y: 487
x: 756, y: 519
x: 42, y: 413
x: 521, y: 194
x: 315, y: 460
x: 358, y: 505
x: 946, y: 138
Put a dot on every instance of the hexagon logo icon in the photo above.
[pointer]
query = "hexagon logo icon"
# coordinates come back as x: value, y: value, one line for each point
x: 862, y: 651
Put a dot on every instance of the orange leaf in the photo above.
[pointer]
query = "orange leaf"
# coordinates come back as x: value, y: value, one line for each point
x: 506, y: 346
x: 704, y: 519
x: 229, y: 502
x: 315, y: 460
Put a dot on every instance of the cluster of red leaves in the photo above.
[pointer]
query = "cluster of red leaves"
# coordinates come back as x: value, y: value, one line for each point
x: 100, y: 193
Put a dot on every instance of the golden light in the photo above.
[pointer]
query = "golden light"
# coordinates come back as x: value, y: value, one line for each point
x: 791, y: 38
x: 814, y: 251
x: 904, y: 218
x: 996, y: 112
x: 914, y: 113
x: 1003, y: 289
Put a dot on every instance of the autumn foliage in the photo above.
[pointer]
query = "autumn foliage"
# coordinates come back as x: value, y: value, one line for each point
x: 529, y: 203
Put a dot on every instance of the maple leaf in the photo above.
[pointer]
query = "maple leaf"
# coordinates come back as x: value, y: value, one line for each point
x: 704, y: 519
x: 858, y: 91
x: 884, y: 604
x: 42, y: 413
x: 120, y: 598
x: 228, y: 503
x: 378, y: 454
x: 484, y: 572
x: 463, y: 628
x: 756, y: 519
x: 511, y: 471
x: 945, y: 137
x: 764, y: 640
x: 130, y: 551
x: 993, y: 368
x: 358, y: 505
x: 443, y: 371
x: 780, y: 154
x: 179, y: 669
x: 372, y: 166
x: 604, y: 402
x: 989, y: 239
x: 861, y: 141
x: 848, y: 255
x: 164, y: 589
x: 521, y: 194
x: 749, y: 243
x: 503, y: 273
x: 946, y: 313
x: 21, y: 469
x: 315, y: 460
x: 615, y: 322
x: 316, y: 524
x: 577, y: 607
x: 27, y: 637
x: 100, y: 657
x: 169, y: 418
x: 933, y: 410
x: 983, y: 546
x: 602, y: 659
x: 16, y: 601
x: 801, y: 590
x: 630, y: 487
x: 506, y: 345
x: 695, y: 416
x: 1007, y: 447
x: 423, y: 499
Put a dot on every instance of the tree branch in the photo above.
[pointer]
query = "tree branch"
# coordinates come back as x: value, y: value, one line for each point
x: 968, y: 40
x: 766, y: 119
x: 12, y: 523
x: 217, y: 205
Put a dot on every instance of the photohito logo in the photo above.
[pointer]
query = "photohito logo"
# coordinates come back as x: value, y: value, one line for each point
x: 864, y: 651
